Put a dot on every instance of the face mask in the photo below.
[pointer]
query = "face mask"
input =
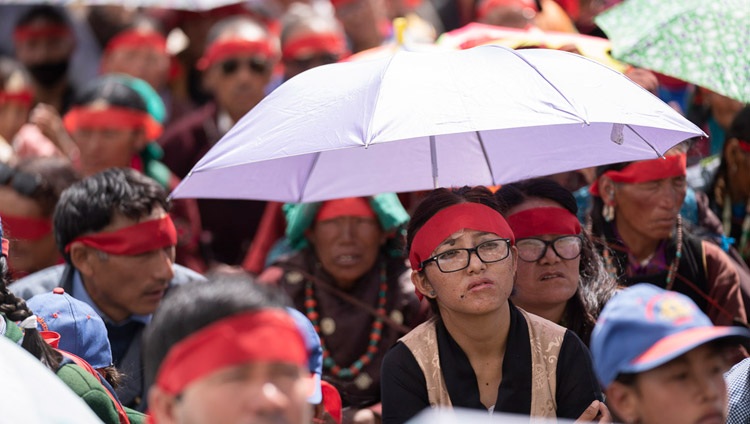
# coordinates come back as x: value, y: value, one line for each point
x: 50, y: 73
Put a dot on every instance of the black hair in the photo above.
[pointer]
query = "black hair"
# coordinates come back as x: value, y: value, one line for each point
x: 15, y: 309
x: 437, y: 200
x: 54, y: 176
x: 90, y: 204
x: 54, y: 14
x: 188, y: 308
x: 595, y: 285
x: 113, y: 90
x: 739, y: 129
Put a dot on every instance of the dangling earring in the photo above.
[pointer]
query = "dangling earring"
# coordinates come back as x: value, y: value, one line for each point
x: 608, y: 213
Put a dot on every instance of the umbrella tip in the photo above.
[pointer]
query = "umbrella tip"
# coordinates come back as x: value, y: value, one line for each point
x: 399, y: 28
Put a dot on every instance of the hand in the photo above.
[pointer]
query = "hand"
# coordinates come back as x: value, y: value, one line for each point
x: 49, y: 122
x: 596, y: 411
x: 644, y: 78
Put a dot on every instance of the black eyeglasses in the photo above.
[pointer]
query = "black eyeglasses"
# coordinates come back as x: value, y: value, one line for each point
x: 533, y: 249
x: 457, y: 259
x: 23, y: 183
x: 256, y: 64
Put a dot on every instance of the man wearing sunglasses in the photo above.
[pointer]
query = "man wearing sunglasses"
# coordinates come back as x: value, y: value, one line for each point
x: 118, y: 241
x: 237, y: 66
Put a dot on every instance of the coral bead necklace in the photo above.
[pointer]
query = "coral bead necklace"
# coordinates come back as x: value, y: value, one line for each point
x: 354, y: 369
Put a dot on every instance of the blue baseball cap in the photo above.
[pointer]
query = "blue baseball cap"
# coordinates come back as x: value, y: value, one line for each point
x: 82, y: 331
x: 644, y: 326
x: 314, y: 352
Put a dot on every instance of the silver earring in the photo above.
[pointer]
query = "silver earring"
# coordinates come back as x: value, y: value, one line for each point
x: 608, y: 213
x: 432, y: 293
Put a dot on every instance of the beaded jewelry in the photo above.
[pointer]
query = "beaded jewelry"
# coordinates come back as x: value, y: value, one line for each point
x: 354, y: 369
x: 726, y: 219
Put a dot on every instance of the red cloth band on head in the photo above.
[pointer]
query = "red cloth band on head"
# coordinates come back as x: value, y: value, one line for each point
x: 24, y: 228
x: 744, y: 145
x: 487, y: 5
x: 135, y: 38
x: 646, y: 170
x: 541, y: 221
x: 24, y: 97
x: 330, y: 42
x: 133, y: 240
x: 352, y: 206
x: 5, y: 247
x: 259, y: 336
x: 470, y: 215
x: 112, y: 117
x: 27, y: 32
x: 221, y: 50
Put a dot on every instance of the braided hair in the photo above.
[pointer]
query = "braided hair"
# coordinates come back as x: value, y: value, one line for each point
x: 15, y: 309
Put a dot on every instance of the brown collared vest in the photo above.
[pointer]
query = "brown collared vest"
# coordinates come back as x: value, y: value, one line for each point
x: 545, y: 337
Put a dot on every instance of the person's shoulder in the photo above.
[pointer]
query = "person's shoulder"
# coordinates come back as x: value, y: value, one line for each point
x: 42, y: 281
x: 88, y: 388
x: 184, y: 275
x: 188, y: 123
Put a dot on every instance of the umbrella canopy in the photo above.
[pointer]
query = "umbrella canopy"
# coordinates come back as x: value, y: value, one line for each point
x: 419, y: 120
x: 194, y: 5
x: 698, y: 41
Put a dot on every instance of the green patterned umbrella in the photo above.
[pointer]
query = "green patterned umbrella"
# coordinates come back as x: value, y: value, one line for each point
x: 704, y: 42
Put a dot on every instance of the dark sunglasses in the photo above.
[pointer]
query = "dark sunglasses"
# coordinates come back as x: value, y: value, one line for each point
x: 308, y: 62
x: 257, y: 65
x: 23, y: 183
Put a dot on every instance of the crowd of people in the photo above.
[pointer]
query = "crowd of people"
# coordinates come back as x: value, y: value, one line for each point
x: 612, y: 294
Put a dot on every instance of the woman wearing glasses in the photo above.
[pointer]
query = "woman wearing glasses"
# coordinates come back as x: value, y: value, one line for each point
x: 560, y: 275
x: 479, y: 351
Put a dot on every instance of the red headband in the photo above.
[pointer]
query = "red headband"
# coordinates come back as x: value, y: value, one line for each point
x: 540, y: 221
x: 470, y: 215
x: 744, y: 145
x: 646, y: 170
x: 487, y: 5
x: 352, y: 206
x: 112, y: 117
x: 221, y: 50
x: 315, y: 43
x: 259, y: 336
x: 25, y: 97
x: 135, y: 38
x: 5, y: 247
x: 27, y: 32
x: 24, y: 228
x: 133, y: 240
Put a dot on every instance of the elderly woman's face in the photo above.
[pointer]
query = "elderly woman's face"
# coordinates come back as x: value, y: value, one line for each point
x: 649, y: 210
x: 347, y: 246
x: 549, y: 281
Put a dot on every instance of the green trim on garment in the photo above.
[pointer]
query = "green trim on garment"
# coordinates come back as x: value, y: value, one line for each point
x: 299, y: 217
x: 12, y: 331
x: 152, y: 167
x: 91, y: 391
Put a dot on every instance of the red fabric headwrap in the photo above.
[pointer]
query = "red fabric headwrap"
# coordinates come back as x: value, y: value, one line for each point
x: 133, y: 240
x: 5, y: 247
x: 351, y: 206
x: 259, y: 336
x: 24, y: 228
x: 470, y: 215
x: 646, y: 170
x: 541, y: 221
x: 134, y: 38
x: 315, y: 43
x: 221, y: 50
x: 112, y: 117
x: 27, y: 32
x: 487, y: 5
x: 25, y: 97
x: 744, y: 145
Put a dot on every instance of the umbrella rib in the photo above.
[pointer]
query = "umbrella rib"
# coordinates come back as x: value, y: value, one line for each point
x: 433, y: 158
x: 309, y: 174
x: 645, y: 141
x: 576, y: 114
x: 486, y: 157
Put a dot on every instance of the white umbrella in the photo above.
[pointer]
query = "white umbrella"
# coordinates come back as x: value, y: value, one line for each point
x: 419, y: 120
